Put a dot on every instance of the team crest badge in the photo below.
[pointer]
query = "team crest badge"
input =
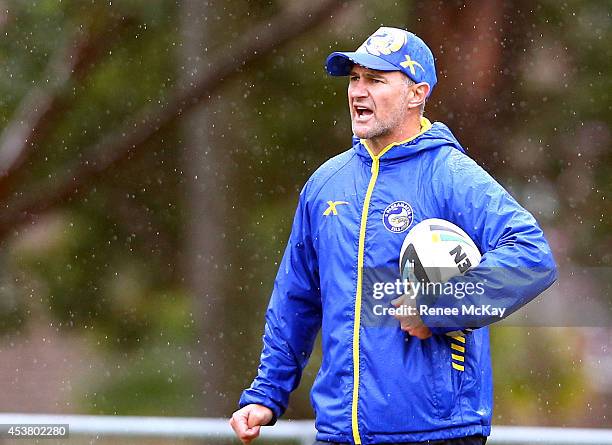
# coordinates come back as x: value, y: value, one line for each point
x: 384, y: 41
x: 398, y: 216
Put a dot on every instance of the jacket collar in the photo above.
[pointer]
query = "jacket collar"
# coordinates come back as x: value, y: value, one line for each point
x: 431, y: 136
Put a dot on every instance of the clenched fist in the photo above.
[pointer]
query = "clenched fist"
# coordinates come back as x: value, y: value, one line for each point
x: 247, y: 421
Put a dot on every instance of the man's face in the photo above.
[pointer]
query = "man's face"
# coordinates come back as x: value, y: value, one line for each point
x: 377, y: 101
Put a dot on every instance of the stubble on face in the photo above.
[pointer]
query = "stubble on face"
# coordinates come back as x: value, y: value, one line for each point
x: 385, y: 125
x: 384, y: 97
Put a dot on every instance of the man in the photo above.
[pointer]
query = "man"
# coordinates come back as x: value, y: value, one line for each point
x: 408, y: 382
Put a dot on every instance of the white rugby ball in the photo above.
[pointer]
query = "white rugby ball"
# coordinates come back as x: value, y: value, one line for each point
x: 435, y: 250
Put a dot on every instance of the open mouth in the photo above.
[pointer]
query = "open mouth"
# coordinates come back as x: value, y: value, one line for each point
x: 362, y: 112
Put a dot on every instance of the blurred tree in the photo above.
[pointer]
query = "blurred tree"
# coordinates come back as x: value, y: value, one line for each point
x: 122, y: 195
x: 204, y: 163
x: 469, y: 41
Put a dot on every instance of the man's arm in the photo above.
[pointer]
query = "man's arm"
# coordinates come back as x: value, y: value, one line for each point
x: 517, y: 263
x: 293, y: 319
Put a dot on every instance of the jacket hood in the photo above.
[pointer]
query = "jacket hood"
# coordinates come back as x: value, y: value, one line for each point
x: 432, y: 136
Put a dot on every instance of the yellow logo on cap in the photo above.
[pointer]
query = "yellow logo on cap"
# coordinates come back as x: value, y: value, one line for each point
x: 384, y: 41
x: 409, y: 63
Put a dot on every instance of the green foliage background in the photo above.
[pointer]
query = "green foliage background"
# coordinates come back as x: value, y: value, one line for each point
x: 105, y: 265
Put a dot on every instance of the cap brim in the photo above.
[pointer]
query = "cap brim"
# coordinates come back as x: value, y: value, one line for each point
x: 340, y: 63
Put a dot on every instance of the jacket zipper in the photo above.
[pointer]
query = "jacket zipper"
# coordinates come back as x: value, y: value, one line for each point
x: 425, y: 125
x: 357, y: 324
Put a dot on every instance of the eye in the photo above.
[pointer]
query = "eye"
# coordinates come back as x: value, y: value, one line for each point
x: 377, y: 81
x: 353, y: 78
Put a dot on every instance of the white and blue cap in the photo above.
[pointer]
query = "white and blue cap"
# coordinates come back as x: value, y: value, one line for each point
x: 388, y: 49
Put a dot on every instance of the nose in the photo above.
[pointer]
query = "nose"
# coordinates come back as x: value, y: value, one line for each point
x: 357, y: 89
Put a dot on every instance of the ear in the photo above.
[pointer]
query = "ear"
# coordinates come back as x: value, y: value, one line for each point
x: 419, y: 94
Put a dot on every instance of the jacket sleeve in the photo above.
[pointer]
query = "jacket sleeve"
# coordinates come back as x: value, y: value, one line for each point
x: 293, y: 319
x: 517, y: 263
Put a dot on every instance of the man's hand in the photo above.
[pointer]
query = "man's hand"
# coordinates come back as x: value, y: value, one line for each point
x: 247, y: 421
x: 411, y: 323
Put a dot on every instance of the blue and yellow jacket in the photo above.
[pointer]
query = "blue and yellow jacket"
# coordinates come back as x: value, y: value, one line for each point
x: 376, y: 384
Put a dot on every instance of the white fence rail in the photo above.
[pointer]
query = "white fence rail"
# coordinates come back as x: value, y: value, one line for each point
x: 301, y: 431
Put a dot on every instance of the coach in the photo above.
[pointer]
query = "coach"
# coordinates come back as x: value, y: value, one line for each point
x: 418, y: 380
